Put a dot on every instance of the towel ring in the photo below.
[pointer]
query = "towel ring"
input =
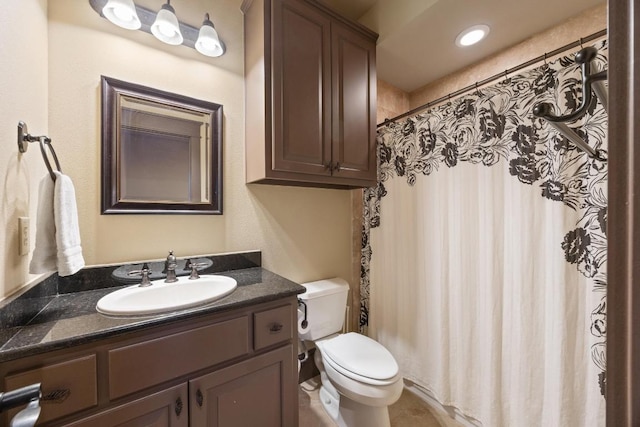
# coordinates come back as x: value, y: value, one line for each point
x: 46, y: 141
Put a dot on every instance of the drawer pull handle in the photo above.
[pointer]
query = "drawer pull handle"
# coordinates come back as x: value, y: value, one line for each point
x: 55, y: 396
x: 275, y: 327
x: 178, y: 406
x: 199, y: 398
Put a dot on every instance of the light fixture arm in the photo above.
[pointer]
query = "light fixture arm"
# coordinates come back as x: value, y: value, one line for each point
x: 147, y: 18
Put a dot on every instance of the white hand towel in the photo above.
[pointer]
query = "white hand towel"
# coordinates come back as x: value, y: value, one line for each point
x: 69, y: 250
x: 44, y: 253
x: 57, y: 233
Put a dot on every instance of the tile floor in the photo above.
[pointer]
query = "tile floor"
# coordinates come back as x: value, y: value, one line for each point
x: 409, y: 411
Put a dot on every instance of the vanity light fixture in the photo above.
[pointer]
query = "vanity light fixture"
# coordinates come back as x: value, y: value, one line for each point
x: 164, y: 25
x: 208, y: 42
x: 472, y: 35
x: 122, y: 13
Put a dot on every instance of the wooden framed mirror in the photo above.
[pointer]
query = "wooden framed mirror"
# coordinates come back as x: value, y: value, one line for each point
x: 161, y: 152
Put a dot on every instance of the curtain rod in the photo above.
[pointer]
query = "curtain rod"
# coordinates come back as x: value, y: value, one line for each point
x: 504, y: 74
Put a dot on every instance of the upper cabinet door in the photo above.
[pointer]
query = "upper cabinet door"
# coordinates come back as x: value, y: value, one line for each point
x: 301, y: 61
x: 354, y: 104
x: 310, y: 96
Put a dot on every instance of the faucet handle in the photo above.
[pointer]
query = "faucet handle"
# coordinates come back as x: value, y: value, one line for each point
x: 144, y: 273
x: 194, y: 269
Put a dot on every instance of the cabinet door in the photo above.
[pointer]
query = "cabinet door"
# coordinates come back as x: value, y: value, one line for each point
x: 258, y: 392
x: 167, y: 408
x: 354, y: 104
x: 301, y: 64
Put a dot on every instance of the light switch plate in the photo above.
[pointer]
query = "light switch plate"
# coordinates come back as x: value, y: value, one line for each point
x: 23, y: 234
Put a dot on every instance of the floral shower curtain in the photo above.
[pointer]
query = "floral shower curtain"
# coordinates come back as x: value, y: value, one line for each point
x: 484, y: 253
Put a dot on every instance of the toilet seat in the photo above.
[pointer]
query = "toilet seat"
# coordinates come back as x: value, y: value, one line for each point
x: 360, y: 358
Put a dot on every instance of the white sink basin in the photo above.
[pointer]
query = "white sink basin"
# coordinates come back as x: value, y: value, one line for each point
x: 162, y: 297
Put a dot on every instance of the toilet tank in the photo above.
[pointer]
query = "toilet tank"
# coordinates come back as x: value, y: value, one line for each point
x: 326, y: 302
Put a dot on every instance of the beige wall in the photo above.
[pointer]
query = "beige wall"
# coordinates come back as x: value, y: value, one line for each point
x: 391, y: 101
x: 23, y: 95
x: 304, y: 233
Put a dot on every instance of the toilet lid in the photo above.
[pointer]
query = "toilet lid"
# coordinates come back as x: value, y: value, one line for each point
x: 361, y: 355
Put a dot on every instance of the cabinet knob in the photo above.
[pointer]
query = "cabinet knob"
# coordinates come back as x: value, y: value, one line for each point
x: 199, y: 398
x: 178, y: 406
x: 337, y: 167
x: 276, y: 327
x: 328, y: 166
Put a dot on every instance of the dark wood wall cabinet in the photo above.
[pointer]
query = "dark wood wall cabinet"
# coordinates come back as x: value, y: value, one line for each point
x: 310, y: 87
x: 233, y: 369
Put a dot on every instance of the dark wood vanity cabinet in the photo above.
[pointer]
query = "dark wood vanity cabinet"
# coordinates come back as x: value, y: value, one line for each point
x: 310, y: 87
x: 237, y: 368
x: 250, y: 393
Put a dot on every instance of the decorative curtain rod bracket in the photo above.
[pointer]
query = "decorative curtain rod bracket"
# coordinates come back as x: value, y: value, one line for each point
x: 584, y: 58
x: 590, y: 83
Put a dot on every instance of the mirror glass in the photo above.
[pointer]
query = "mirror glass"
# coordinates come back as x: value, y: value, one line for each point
x: 161, y: 152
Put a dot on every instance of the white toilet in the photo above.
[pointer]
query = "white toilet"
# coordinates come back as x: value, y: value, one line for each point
x: 360, y: 378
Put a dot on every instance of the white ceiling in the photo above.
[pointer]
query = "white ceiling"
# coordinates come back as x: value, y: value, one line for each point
x: 417, y: 37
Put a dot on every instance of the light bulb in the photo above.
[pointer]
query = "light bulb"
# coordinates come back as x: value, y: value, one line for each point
x: 472, y: 35
x: 208, y: 42
x: 166, y: 27
x: 122, y: 13
x: 167, y: 30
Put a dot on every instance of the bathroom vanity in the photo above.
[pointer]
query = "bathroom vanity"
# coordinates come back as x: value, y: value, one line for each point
x: 229, y: 363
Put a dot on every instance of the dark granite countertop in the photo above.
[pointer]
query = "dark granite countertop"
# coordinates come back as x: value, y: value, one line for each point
x: 71, y: 319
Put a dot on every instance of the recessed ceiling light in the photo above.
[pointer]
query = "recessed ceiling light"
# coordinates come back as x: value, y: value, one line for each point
x: 472, y: 35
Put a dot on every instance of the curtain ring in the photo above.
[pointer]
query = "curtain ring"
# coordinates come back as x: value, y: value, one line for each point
x: 581, y: 46
x: 545, y: 58
x: 449, y: 101
x: 477, y: 91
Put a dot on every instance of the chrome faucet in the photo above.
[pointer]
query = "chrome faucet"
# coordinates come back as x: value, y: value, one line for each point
x: 170, y: 266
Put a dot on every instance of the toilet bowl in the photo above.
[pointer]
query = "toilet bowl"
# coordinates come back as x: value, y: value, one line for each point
x: 359, y: 376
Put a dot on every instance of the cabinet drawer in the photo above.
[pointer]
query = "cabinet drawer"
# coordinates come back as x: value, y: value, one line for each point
x: 145, y: 364
x: 67, y: 387
x: 272, y: 326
